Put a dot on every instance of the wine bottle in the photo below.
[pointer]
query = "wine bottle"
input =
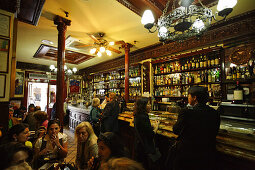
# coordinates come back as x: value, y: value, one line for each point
x: 193, y: 64
x: 238, y: 94
x: 234, y: 73
x: 205, y: 61
x: 197, y: 63
x: 201, y: 62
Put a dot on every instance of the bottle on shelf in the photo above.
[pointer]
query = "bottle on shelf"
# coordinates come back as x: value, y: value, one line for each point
x: 205, y: 61
x: 212, y: 59
x: 201, y: 62
x: 217, y: 59
x: 197, y: 62
x: 234, y: 73
x: 209, y: 60
x: 238, y: 94
x: 238, y: 72
x: 193, y: 64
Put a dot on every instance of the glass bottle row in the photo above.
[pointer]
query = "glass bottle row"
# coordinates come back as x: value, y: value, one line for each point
x: 205, y: 76
x: 199, y: 61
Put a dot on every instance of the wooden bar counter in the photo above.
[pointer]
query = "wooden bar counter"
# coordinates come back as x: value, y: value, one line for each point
x: 77, y: 115
x: 235, y: 151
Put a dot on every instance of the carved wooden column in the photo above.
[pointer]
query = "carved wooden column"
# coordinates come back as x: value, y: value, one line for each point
x: 61, y: 23
x: 127, y: 47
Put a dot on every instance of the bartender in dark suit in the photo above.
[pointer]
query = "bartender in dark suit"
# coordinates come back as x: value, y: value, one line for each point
x: 196, y: 127
x: 109, y: 122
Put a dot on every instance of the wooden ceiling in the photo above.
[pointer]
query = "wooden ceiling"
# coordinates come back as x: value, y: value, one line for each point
x: 50, y: 53
x: 157, y: 6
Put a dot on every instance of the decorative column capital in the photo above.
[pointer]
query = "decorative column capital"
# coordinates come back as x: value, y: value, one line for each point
x: 61, y: 23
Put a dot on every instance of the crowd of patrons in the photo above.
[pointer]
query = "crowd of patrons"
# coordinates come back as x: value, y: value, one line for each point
x: 99, y: 142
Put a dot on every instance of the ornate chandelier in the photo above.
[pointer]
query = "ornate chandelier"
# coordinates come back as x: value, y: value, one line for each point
x: 68, y: 71
x: 185, y: 21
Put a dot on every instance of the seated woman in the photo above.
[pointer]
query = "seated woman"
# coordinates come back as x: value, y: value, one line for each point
x: 86, y: 144
x: 52, y: 147
x: 18, y: 133
x: 109, y: 146
x: 41, y: 123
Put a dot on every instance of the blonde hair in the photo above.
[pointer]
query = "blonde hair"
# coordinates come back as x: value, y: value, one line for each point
x: 95, y: 102
x: 89, y: 129
x: 121, y: 164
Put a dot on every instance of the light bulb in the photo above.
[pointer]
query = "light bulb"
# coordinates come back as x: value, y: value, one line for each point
x: 223, y: 4
x: 99, y: 54
x: 92, y: 51
x: 52, y: 67
x: 74, y: 69
x: 111, y: 43
x: 65, y: 67
x: 56, y: 69
x: 108, y: 52
x: 102, y: 49
x: 69, y: 71
x: 147, y: 17
x: 198, y: 25
x: 163, y: 29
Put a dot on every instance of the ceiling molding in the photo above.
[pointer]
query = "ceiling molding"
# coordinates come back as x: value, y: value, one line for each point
x: 50, y: 53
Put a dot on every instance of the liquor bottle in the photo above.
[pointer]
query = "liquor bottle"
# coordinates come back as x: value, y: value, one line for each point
x: 238, y: 94
x: 193, y: 64
x: 205, y: 61
x: 186, y: 65
x: 182, y: 66
x: 201, y: 62
x: 213, y: 76
x: 247, y: 73
x: 212, y: 59
x: 189, y: 64
x: 238, y: 72
x: 164, y: 65
x: 202, y: 77
x: 229, y: 74
x: 197, y: 62
x: 209, y: 61
x: 217, y: 75
x: 243, y: 72
x: 217, y: 60
x: 234, y: 73
x: 206, y: 76
x: 199, y: 77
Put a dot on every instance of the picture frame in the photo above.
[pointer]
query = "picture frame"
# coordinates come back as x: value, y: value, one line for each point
x: 74, y: 86
x: 5, y: 21
x: 4, y: 55
x: 2, y: 85
x: 19, y: 84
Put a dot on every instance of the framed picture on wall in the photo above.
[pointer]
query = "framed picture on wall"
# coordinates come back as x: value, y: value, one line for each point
x: 74, y: 86
x: 19, y: 84
x: 2, y: 85
x: 4, y: 55
x: 5, y: 25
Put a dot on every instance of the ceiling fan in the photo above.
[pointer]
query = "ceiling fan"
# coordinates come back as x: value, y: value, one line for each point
x: 101, y: 45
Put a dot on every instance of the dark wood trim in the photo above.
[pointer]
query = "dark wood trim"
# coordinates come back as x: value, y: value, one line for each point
x: 32, y: 66
x: 30, y: 11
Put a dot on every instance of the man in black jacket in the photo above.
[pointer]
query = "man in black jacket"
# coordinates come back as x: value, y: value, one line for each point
x: 197, y: 127
x: 109, y: 122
